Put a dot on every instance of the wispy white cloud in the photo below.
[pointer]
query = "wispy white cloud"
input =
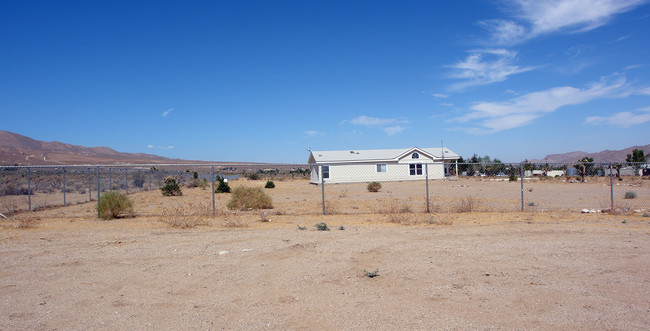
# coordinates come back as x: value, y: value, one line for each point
x: 621, y: 38
x: 623, y: 119
x: 633, y: 66
x: 390, y: 126
x: 490, y: 117
x: 440, y: 95
x: 166, y: 112
x: 393, y: 130
x: 313, y: 133
x: 160, y: 147
x: 485, y: 66
x: 374, y: 121
x: 535, y: 18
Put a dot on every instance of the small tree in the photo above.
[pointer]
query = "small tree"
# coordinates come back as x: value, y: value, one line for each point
x: 171, y: 188
x: 223, y: 186
x: 584, y: 166
x: 638, y: 156
x: 269, y: 184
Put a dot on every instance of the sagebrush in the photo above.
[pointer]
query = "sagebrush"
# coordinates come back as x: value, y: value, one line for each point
x: 249, y: 198
x: 114, y: 205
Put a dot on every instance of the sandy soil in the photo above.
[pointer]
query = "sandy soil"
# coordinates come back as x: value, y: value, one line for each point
x: 298, y: 197
x: 527, y: 270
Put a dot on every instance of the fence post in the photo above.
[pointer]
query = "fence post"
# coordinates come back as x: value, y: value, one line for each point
x: 322, y: 188
x: 212, y: 180
x: 98, y: 191
x: 521, y: 170
x: 90, y: 191
x: 29, y: 190
x: 64, y: 187
x: 611, y: 186
x: 426, y: 176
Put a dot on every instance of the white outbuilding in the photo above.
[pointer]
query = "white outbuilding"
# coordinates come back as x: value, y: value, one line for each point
x: 381, y: 165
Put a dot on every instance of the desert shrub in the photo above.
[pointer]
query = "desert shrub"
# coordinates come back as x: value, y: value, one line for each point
x: 171, y: 188
x: 300, y: 227
x: 269, y: 184
x: 195, y: 182
x: 372, y: 274
x: 630, y: 195
x: 512, y: 178
x: 114, y: 205
x: 9, y: 189
x: 322, y: 227
x: 138, y: 179
x: 249, y: 198
x: 254, y: 177
x: 374, y: 187
x: 222, y: 187
x: 467, y: 205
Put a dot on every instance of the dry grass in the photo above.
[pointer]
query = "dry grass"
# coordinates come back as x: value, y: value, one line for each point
x: 21, y: 222
x: 182, y: 218
x: 235, y: 221
x: 467, y: 204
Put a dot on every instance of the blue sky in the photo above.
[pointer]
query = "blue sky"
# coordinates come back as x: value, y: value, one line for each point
x: 262, y: 81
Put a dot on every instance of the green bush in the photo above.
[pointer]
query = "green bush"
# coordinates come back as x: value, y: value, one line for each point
x: 171, y: 188
x: 253, y: 176
x: 249, y: 198
x: 114, y: 205
x: 322, y: 227
x: 222, y: 187
x: 512, y: 178
x: 269, y: 184
x: 630, y: 195
x: 374, y: 187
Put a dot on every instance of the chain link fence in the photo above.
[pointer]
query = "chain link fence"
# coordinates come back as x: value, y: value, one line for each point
x: 403, y: 188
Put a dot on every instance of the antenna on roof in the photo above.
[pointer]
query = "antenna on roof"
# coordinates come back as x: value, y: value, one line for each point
x: 309, y: 149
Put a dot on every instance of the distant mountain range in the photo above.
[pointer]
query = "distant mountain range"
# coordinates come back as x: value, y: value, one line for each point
x: 16, y: 149
x: 604, y: 156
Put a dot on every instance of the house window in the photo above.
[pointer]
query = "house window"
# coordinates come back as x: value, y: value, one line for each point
x: 381, y: 167
x: 415, y: 169
x: 326, y: 172
x: 415, y: 156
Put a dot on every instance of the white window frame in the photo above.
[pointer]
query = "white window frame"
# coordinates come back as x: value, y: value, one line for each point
x: 415, y: 155
x: 415, y: 169
x: 381, y: 167
x: 325, y: 170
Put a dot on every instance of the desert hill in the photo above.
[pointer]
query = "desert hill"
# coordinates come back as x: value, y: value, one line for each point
x: 604, y: 156
x: 16, y: 149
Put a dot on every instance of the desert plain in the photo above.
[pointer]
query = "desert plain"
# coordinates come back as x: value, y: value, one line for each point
x: 175, y: 265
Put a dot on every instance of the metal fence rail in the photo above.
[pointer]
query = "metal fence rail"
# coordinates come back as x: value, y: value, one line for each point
x: 497, y: 187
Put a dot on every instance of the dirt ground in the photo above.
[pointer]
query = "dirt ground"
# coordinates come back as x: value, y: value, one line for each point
x: 520, y: 270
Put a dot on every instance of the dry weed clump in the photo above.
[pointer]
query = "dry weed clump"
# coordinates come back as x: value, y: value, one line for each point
x: 180, y: 217
x: 21, y: 222
x: 400, y: 214
x: 235, y: 221
x: 467, y: 204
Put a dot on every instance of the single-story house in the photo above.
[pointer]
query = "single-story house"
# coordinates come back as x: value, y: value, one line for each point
x: 382, y: 165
